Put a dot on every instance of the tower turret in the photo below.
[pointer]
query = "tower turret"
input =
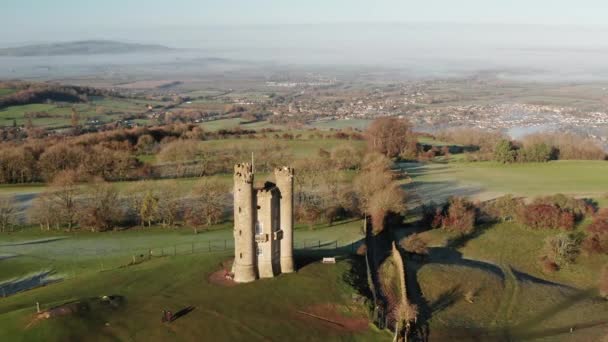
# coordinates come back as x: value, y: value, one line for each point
x: 284, y: 180
x: 244, y: 220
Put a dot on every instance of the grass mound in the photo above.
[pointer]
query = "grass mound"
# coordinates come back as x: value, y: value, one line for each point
x: 471, y: 303
x: 261, y: 310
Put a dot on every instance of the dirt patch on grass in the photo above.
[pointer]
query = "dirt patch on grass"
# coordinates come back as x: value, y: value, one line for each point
x: 328, y: 315
x: 222, y: 277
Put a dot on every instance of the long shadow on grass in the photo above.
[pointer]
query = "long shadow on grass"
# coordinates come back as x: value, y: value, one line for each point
x: 34, y: 242
x: 28, y: 282
x: 181, y: 313
x: 306, y: 256
x: 525, y: 277
x: 461, y: 240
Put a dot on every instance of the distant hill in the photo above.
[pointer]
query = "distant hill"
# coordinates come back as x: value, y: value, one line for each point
x: 88, y: 47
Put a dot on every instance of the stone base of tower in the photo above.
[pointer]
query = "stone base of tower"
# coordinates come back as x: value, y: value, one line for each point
x: 244, y: 273
x: 287, y: 265
x: 266, y: 270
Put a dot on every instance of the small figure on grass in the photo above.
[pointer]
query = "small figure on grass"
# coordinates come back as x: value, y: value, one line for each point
x: 167, y: 316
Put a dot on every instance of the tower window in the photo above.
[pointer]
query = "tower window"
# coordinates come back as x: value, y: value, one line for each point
x: 259, y: 228
x: 239, y: 210
x: 240, y: 232
x: 241, y: 256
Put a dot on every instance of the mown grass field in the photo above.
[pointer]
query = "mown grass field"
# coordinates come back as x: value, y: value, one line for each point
x: 263, y: 310
x: 71, y: 254
x: 486, y: 180
x: 96, y: 264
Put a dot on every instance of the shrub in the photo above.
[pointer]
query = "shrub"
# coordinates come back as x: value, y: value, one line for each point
x: 546, y: 216
x: 597, y: 239
x: 415, y: 244
x: 548, y: 265
x: 563, y: 248
x: 505, y: 152
x: 592, y: 245
x: 458, y: 215
x: 536, y: 153
x: 579, y: 207
x: 504, y: 208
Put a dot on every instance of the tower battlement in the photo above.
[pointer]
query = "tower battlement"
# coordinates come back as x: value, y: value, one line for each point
x: 243, y: 172
x: 284, y: 171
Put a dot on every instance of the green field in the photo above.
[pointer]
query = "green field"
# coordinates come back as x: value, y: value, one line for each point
x: 229, y: 124
x: 341, y: 124
x: 486, y: 180
x: 102, y: 109
x: 262, y: 310
x: 6, y: 91
x: 93, y: 265
x: 490, y: 286
x: 71, y: 254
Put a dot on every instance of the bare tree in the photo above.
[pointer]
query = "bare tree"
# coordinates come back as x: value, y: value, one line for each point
x: 63, y: 192
x: 100, y: 210
x: 44, y: 211
x: 379, y: 193
x: 170, y: 204
x: 7, y: 213
x: 208, y: 204
x: 392, y: 137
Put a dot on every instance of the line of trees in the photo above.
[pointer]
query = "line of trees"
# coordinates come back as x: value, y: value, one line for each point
x: 540, y: 147
x: 98, y: 206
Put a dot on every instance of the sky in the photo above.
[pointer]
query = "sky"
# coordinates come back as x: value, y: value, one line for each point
x: 48, y: 20
x: 564, y: 36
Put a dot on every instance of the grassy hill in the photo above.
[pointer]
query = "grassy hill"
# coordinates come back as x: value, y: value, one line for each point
x: 480, y: 303
x: 87, y: 47
x: 94, y: 265
x: 263, y: 310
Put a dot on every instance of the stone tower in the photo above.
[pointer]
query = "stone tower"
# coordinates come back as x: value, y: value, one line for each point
x: 244, y: 215
x: 284, y: 177
x: 263, y: 225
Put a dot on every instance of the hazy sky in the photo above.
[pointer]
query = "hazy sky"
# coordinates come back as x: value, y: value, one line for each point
x: 40, y: 20
x: 563, y: 36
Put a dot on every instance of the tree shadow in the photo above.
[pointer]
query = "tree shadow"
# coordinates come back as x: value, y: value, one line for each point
x: 307, y: 256
x: 525, y: 277
x: 182, y: 312
x: 446, y: 299
x: 462, y: 239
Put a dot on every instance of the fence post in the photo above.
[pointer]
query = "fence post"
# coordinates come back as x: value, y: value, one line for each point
x: 319, y: 244
x: 193, y: 248
x: 209, y: 245
x: 149, y: 253
x: 174, y: 250
x: 225, y: 244
x: 162, y: 251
